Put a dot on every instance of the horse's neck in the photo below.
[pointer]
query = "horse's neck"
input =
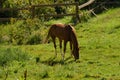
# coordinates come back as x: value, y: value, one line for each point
x: 74, y: 40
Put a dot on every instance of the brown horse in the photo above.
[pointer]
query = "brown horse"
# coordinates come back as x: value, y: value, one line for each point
x: 66, y: 33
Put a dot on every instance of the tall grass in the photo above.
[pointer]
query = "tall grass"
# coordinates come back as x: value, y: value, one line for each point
x: 12, y: 54
x: 11, y: 61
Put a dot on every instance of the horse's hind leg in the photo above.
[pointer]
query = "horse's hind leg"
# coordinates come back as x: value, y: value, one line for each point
x: 53, y: 38
x: 61, y: 46
x: 65, y: 42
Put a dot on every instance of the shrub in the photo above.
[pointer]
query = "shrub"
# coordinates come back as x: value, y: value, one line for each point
x: 84, y: 16
x: 22, y: 32
x: 34, y: 38
x: 12, y: 54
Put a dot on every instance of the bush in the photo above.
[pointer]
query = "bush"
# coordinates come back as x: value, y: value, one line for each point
x: 22, y: 32
x: 12, y: 54
x: 35, y: 38
x: 84, y: 16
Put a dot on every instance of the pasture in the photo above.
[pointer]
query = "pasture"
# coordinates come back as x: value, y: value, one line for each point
x: 99, y: 42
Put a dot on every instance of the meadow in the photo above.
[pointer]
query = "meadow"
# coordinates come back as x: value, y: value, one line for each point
x: 99, y: 42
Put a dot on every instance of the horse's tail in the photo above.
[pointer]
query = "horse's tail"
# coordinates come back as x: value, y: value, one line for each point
x: 46, y: 39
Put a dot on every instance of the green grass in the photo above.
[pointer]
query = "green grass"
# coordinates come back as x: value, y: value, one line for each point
x: 99, y: 41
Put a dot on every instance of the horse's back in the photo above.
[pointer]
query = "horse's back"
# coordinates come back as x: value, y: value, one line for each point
x: 61, y: 27
x: 61, y: 31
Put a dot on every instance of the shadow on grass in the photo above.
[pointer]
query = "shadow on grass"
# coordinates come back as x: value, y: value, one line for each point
x: 53, y: 61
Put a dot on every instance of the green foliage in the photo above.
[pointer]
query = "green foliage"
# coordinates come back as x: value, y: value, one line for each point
x: 9, y: 55
x: 85, y: 16
x: 44, y: 10
x: 22, y: 32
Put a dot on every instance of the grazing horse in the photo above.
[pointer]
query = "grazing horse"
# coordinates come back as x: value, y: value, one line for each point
x: 66, y: 33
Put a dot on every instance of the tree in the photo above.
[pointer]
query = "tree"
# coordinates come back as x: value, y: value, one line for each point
x: 1, y: 3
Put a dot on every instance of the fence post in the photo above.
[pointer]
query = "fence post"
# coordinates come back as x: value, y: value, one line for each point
x: 33, y: 11
x: 77, y: 12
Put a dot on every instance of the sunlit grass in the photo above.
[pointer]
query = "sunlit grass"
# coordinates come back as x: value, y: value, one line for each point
x: 99, y: 43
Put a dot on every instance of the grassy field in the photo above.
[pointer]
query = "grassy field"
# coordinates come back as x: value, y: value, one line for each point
x: 99, y: 42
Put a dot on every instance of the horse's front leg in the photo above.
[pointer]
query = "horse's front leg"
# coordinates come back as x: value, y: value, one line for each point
x: 71, y: 48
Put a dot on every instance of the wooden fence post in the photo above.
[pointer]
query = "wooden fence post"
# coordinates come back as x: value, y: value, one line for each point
x: 77, y: 12
x: 33, y: 11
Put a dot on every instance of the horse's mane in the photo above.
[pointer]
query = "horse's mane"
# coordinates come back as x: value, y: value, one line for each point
x: 73, y: 36
x: 74, y: 41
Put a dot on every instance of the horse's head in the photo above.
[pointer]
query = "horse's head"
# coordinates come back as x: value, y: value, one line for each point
x: 76, y: 53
